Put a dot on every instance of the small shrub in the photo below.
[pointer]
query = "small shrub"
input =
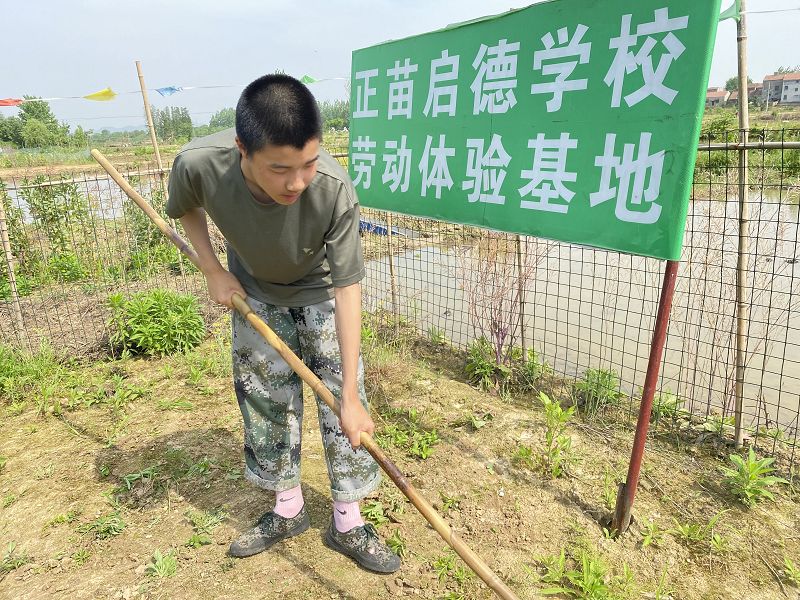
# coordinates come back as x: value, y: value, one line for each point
x: 598, y: 388
x: 482, y: 367
x: 557, y: 453
x: 155, y: 323
x: 162, y: 565
x: 750, y: 479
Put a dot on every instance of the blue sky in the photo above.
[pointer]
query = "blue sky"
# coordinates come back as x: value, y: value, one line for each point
x: 58, y: 48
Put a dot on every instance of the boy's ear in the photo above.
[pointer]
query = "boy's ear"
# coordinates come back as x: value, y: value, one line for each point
x: 241, y: 147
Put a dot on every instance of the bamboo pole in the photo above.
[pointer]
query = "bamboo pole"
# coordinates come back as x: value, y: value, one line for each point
x: 742, y: 312
x: 392, y: 277
x: 154, y: 140
x: 12, y: 279
x: 439, y: 525
x: 521, y: 298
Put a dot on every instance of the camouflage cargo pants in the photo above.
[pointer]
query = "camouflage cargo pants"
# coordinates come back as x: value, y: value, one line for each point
x: 271, y: 400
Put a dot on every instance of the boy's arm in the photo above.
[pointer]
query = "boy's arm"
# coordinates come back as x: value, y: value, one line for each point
x: 354, y: 417
x: 221, y: 283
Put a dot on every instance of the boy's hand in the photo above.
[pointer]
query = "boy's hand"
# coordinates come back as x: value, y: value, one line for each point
x: 355, y: 418
x: 222, y: 285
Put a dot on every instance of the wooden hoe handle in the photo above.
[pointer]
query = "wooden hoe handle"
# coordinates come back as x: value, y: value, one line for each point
x: 442, y: 528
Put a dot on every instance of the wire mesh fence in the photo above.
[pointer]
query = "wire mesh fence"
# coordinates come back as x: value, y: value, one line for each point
x: 74, y: 241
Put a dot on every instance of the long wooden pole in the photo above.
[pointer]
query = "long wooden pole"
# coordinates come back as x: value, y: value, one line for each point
x: 742, y: 307
x: 440, y: 526
x: 154, y: 140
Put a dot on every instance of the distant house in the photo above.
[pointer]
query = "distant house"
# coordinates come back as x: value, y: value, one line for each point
x: 716, y: 97
x: 783, y: 88
x: 754, y: 92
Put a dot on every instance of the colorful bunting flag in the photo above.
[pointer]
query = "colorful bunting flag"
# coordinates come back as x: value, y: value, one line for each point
x: 169, y: 90
x: 307, y: 79
x: 11, y: 101
x: 102, y: 96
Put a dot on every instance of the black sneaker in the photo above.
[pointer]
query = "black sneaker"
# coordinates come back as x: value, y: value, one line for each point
x: 364, y: 546
x: 271, y: 529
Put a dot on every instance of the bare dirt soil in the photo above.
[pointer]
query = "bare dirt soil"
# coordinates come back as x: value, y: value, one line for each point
x: 168, y: 449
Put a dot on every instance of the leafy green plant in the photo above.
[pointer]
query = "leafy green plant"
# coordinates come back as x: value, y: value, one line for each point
x: 719, y: 424
x: 205, y: 522
x: 3, y: 461
x: 479, y: 421
x: 104, y: 527
x: 12, y: 559
x: 598, y: 388
x: 449, y: 502
x: 791, y: 572
x: 482, y: 368
x: 81, y: 556
x: 666, y: 405
x: 436, y: 336
x: 524, y: 457
x: 155, y: 323
x: 444, y: 565
x: 557, y: 454
x: 66, y: 267
x: 750, y: 480
x: 397, y: 544
x: 589, y: 580
x: 144, y: 476
x: 8, y: 500
x: 527, y: 373
x: 67, y: 517
x: 373, y: 511
x: 162, y: 565
x: 695, y: 535
x: 652, y: 534
x: 554, y: 566
x: 175, y: 404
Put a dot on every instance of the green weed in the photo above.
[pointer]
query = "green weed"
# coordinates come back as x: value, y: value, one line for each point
x: 666, y: 405
x: 162, y: 565
x: 557, y: 454
x: 527, y: 374
x: 155, y: 323
x: 373, y: 511
x: 598, y: 388
x: 8, y: 500
x: 750, y: 480
x: 482, y: 368
x: 175, y: 404
x: 697, y: 535
x: 609, y: 492
x: 436, y: 336
x: 205, y: 522
x: 104, y: 527
x: 652, y: 534
x: 524, y: 457
x: 444, y: 565
x: 67, y: 517
x: 791, y: 572
x: 449, y: 502
x: 397, y: 544
x: 81, y: 556
x: 12, y: 559
x: 145, y: 476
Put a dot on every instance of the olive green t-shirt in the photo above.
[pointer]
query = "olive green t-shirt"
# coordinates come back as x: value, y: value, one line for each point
x: 284, y: 255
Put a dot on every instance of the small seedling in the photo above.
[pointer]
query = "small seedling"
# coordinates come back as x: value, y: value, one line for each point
x: 449, y: 502
x: 67, y: 517
x: 373, y: 512
x: 198, y: 540
x: 3, y: 461
x: 12, y: 559
x: 81, y: 556
x: 205, y: 522
x: 443, y: 565
x: 104, y: 527
x: 750, y: 479
x: 9, y: 499
x: 719, y: 544
x: 557, y: 455
x: 609, y: 489
x: 397, y: 544
x: 479, y: 421
x: 652, y: 534
x: 791, y: 572
x: 144, y: 476
x: 524, y: 457
x: 554, y: 567
x: 162, y: 565
x: 436, y: 336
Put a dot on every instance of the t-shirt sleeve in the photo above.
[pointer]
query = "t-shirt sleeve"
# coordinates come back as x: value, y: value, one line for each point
x: 182, y: 195
x: 343, y: 244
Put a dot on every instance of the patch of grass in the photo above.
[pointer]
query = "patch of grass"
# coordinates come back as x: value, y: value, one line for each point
x: 12, y: 559
x: 750, y: 480
x: 67, y: 517
x: 205, y: 522
x: 667, y: 405
x: 444, y: 565
x: 175, y: 404
x: 609, y: 491
x: 8, y: 500
x: 104, y: 527
x: 162, y: 565
x: 585, y: 576
x: 436, y: 336
x: 81, y: 556
x: 24, y: 375
x: 598, y: 388
x: 3, y: 461
x: 407, y: 434
x: 696, y: 536
x: 791, y: 572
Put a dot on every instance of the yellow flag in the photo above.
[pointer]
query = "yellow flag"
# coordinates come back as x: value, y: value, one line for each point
x: 102, y: 95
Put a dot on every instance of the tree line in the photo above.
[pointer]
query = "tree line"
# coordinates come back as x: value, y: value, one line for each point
x: 35, y: 126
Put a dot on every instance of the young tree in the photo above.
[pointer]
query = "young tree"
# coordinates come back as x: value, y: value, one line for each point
x: 732, y: 85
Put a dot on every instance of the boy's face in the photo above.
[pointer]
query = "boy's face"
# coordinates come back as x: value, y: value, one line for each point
x: 279, y: 173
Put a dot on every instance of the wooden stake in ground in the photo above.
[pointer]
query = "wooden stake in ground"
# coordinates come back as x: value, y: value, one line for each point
x: 442, y: 528
x: 12, y: 280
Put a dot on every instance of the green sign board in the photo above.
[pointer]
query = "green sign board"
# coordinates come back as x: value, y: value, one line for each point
x: 574, y: 120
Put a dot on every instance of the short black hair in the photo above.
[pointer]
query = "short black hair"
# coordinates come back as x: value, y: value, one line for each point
x: 279, y: 110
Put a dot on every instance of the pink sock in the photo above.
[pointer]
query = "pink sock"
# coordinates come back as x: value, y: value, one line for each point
x: 346, y: 516
x: 288, y: 503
